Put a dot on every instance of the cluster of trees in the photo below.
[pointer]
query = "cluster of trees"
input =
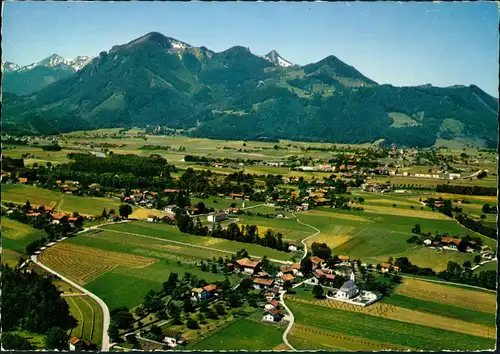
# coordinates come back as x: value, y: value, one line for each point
x: 477, y: 226
x: 246, y: 234
x: 30, y: 302
x: 51, y: 147
x: 489, y: 209
x: 456, y: 273
x: 405, y: 266
x: 208, y: 160
x: 468, y: 190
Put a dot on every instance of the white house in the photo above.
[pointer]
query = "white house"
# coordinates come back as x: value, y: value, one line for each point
x: 170, y: 208
x: 217, y: 217
x: 427, y: 242
x: 292, y: 246
x: 173, y: 339
x: 268, y: 318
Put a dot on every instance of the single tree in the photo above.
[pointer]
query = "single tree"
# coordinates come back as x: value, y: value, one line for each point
x: 125, y: 210
x: 317, y: 291
x: 477, y: 259
x: 192, y: 324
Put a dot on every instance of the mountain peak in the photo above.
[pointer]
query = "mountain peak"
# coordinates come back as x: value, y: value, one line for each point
x: 274, y: 57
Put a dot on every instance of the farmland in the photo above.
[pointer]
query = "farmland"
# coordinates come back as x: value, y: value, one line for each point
x: 485, y: 302
x: 86, y: 263
x: 16, y: 236
x: 66, y: 203
x: 383, y: 236
x: 171, y: 233
x: 405, y: 314
x: 407, y: 334
x: 243, y: 334
x: 89, y: 316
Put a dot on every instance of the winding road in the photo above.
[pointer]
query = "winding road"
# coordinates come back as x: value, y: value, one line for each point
x: 291, y: 317
x: 106, y: 344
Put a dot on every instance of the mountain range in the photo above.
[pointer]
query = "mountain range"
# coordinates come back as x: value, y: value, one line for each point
x: 30, y: 78
x: 160, y: 81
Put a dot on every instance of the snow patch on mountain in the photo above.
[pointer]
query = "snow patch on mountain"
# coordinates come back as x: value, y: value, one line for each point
x: 7, y: 66
x: 56, y: 61
x: 274, y: 57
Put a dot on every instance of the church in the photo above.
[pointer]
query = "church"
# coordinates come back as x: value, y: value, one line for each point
x: 349, y: 289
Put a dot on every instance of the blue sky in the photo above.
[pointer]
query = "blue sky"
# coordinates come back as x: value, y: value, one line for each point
x: 396, y: 43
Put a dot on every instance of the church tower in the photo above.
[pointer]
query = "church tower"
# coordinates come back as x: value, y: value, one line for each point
x: 353, y: 278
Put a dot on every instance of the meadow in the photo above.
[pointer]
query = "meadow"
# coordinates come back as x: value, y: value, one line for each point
x: 382, y: 236
x: 172, y: 233
x: 243, y: 334
x: 16, y: 236
x: 89, y: 316
x: 18, y: 193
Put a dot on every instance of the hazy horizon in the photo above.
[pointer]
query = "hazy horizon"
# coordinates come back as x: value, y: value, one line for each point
x: 402, y: 44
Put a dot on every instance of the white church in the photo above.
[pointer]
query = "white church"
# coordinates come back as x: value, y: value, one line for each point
x: 350, y: 293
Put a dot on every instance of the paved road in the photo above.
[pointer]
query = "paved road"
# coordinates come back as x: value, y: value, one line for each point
x: 190, y: 245
x: 484, y: 262
x: 291, y: 320
x: 303, y: 241
x: 291, y: 317
x: 106, y: 344
x: 449, y: 283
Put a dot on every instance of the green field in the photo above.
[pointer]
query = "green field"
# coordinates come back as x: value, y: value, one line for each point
x: 115, y: 286
x: 222, y: 203
x: 89, y: 316
x: 16, y: 236
x: 375, y: 237
x: 290, y: 228
x: 19, y: 194
x: 243, y: 334
x: 442, y: 309
x: 487, y: 266
x: 417, y: 337
x: 10, y: 257
x: 168, y: 232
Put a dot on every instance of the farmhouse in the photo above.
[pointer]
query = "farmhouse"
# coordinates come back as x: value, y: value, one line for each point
x: 287, y: 277
x: 216, y: 217
x: 386, y: 267
x: 247, y: 266
x: 23, y: 180
x: 260, y: 283
x: 168, y: 191
x: 76, y: 343
x: 170, y: 208
x: 237, y: 196
x: 58, y: 218
x: 273, y: 315
x: 292, y: 246
x: 317, y: 262
x: 449, y: 243
x: 205, y: 293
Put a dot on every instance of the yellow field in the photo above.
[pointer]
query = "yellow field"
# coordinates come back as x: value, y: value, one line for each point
x: 340, y: 341
x: 142, y: 214
x: 428, y: 291
x: 337, y: 215
x: 406, y: 315
x: 10, y: 257
x: 83, y: 264
x: 332, y: 240
x: 392, y: 201
x: 405, y: 212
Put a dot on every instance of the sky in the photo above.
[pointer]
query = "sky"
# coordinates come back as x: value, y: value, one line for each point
x: 395, y: 43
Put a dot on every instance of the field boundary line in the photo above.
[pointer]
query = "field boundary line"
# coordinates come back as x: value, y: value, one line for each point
x: 93, y: 318
x: 81, y: 315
